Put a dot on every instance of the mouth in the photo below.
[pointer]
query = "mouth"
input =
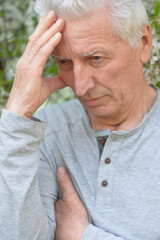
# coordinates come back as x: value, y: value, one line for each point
x: 93, y: 101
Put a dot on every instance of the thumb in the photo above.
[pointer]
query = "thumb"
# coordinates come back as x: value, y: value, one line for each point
x: 68, y: 191
x: 52, y: 84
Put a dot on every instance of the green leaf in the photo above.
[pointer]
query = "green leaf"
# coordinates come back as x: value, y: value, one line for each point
x: 157, y: 8
x: 1, y: 77
x: 51, y: 70
x: 158, y: 84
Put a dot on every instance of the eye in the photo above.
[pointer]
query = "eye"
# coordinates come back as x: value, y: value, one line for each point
x: 64, y: 64
x: 96, y: 58
x: 62, y: 61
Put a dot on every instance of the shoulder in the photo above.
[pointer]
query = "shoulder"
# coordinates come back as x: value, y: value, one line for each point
x: 58, y: 115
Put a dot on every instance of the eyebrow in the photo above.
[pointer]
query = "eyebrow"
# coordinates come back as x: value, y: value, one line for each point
x: 83, y: 55
x: 58, y: 57
x: 93, y: 52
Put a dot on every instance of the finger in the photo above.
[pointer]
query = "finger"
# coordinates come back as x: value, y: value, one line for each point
x: 58, y: 206
x: 51, y: 84
x: 55, y: 83
x: 40, y: 21
x: 57, y: 27
x: 45, y: 23
x: 68, y: 191
x: 43, y: 54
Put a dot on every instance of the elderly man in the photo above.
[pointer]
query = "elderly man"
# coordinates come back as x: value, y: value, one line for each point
x: 108, y: 138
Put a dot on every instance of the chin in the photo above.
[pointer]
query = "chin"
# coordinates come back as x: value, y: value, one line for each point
x: 100, y: 111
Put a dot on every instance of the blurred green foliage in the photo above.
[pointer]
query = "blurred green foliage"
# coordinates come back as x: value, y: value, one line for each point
x: 18, y: 21
x: 152, y: 67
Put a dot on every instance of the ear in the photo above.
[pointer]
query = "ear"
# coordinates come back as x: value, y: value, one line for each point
x: 146, y: 44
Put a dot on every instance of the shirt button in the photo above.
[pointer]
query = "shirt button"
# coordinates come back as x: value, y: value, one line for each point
x: 102, y: 141
x: 107, y: 160
x: 104, y: 183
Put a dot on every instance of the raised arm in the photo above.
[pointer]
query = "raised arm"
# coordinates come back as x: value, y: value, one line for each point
x: 23, y: 215
x: 30, y: 89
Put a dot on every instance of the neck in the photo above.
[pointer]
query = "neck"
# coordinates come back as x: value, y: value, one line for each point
x: 131, y: 117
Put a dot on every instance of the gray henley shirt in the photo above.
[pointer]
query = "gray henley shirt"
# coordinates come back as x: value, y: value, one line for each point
x: 120, y: 188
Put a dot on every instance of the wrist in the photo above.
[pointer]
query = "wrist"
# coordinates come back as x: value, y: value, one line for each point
x: 17, y: 111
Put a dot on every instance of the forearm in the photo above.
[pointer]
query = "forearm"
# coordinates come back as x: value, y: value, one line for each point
x: 21, y: 208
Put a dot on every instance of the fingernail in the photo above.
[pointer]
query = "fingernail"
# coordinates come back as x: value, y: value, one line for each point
x: 62, y: 170
x: 57, y: 35
x: 59, y: 20
x: 50, y: 14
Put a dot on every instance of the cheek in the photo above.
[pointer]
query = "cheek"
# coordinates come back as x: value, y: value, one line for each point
x: 114, y: 79
x: 67, y: 77
x: 109, y: 77
x: 117, y: 75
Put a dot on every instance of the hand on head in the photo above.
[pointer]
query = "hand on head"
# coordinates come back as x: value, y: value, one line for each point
x: 30, y: 89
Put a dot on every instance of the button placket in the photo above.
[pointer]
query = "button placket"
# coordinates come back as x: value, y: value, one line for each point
x: 106, y: 174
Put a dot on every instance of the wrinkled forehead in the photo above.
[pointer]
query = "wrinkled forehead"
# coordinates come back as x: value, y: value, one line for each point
x: 94, y: 29
x: 94, y: 22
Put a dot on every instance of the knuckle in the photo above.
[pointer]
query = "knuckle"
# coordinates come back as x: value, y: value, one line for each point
x: 41, y: 52
x: 31, y: 38
x: 22, y: 66
x: 57, y: 204
x: 19, y: 64
x: 25, y: 67
x: 37, y: 43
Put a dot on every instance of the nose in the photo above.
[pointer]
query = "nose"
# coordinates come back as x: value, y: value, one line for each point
x: 83, y: 79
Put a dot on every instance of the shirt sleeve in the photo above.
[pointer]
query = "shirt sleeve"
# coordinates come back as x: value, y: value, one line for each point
x: 23, y: 215
x: 96, y: 233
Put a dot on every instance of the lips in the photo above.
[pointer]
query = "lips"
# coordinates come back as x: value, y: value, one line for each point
x: 92, y: 101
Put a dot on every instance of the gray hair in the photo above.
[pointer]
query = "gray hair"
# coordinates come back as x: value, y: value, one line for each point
x: 128, y: 17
